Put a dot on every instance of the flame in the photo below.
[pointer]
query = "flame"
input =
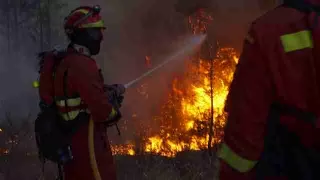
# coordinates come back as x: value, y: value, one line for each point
x: 185, y: 116
x: 186, y: 113
x: 199, y: 21
x: 123, y: 149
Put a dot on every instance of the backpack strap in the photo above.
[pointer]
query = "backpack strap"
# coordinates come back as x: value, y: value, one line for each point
x: 65, y: 91
x: 285, y: 109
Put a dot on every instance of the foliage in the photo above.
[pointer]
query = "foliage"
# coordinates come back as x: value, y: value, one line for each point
x: 32, y: 23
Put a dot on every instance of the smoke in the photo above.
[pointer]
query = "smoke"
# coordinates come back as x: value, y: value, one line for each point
x: 140, y: 28
x: 16, y: 95
x: 20, y: 43
x: 135, y: 29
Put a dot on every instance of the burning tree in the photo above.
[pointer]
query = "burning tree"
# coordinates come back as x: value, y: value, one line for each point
x: 186, y: 115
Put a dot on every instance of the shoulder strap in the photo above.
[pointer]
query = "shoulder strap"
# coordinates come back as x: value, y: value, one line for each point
x: 65, y: 91
x: 285, y: 109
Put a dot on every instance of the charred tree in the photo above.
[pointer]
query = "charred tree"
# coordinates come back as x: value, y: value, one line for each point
x: 7, y: 9
x: 30, y: 19
x: 48, y: 17
x: 5, y: 25
x: 40, y: 23
x: 199, y: 16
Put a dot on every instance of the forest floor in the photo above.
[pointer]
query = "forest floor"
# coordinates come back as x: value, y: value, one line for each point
x: 185, y: 166
x: 21, y: 161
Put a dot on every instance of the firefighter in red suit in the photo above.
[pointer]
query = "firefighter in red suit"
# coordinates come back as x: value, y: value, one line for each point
x: 78, y: 88
x: 273, y: 105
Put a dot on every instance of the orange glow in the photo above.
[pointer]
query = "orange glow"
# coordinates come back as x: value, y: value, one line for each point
x: 185, y: 115
x: 189, y: 105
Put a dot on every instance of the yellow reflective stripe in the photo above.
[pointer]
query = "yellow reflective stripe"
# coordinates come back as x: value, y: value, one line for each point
x: 92, y: 156
x: 70, y: 115
x: 70, y: 102
x: 297, y: 41
x: 235, y: 161
x: 98, y: 24
x: 73, y: 114
x: 81, y: 10
x: 113, y: 113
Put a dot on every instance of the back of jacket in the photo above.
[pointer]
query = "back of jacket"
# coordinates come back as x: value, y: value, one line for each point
x: 83, y: 80
x: 279, y: 63
x: 79, y: 81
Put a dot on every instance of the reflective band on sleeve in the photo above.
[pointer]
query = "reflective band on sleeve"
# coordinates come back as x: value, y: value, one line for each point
x: 70, y: 102
x: 234, y: 160
x: 98, y: 24
x: 297, y: 41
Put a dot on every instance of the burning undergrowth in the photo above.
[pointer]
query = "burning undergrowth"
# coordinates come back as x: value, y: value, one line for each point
x: 185, y: 115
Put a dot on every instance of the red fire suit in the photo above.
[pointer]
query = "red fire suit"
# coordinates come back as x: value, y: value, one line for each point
x: 277, y: 65
x: 84, y: 88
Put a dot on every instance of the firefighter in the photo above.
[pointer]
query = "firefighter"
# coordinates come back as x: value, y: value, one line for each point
x: 273, y: 104
x: 80, y: 97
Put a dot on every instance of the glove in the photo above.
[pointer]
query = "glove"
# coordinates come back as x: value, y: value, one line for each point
x: 114, y: 117
x: 115, y: 94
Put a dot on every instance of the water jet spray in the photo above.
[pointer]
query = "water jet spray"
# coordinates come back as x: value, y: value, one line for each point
x: 191, y: 44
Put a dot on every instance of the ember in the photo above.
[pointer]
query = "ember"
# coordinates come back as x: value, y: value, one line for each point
x: 185, y: 116
x: 148, y: 61
x: 4, y: 151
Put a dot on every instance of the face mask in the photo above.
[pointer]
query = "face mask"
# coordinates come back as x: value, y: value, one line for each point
x: 95, y: 37
x: 94, y: 47
x: 95, y: 34
x: 90, y: 38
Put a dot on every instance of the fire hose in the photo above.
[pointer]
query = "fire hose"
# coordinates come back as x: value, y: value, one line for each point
x: 116, y: 91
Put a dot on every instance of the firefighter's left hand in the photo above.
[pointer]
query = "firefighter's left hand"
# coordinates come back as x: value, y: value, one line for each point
x: 115, y: 94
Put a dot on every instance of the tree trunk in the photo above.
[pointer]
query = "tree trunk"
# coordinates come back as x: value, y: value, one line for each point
x: 8, y: 29
x: 16, y: 43
x: 48, y: 23
x: 40, y: 20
